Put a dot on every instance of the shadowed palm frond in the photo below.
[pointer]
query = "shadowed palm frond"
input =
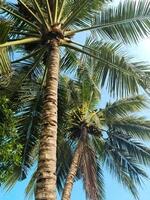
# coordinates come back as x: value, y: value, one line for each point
x: 69, y: 61
x: 12, y: 13
x: 28, y: 123
x: 5, y: 65
x: 125, y: 106
x: 124, y: 167
x: 134, y: 148
x: 30, y: 189
x: 137, y: 127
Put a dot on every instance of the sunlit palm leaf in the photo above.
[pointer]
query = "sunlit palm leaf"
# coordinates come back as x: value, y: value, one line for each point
x: 127, y: 22
x: 117, y: 73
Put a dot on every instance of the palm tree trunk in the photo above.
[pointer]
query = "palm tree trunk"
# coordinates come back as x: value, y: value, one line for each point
x: 46, y: 179
x: 72, y: 173
x: 74, y: 165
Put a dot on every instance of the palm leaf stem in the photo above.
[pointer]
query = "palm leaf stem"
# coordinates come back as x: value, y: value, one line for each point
x: 56, y: 11
x: 24, y: 33
x: 106, y: 25
x: 42, y: 18
x: 61, y: 10
x: 50, y: 19
x: 20, y: 42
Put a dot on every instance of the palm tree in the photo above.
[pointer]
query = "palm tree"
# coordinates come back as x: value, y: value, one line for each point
x: 43, y: 32
x: 109, y: 136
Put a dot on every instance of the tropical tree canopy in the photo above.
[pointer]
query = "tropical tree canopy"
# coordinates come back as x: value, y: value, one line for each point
x: 41, y: 33
x: 126, y: 23
x: 111, y: 137
x: 10, y: 154
x: 114, y: 138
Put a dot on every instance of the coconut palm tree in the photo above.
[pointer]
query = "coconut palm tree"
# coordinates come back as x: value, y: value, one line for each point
x: 78, y: 104
x: 27, y: 108
x: 43, y: 32
x: 110, y: 136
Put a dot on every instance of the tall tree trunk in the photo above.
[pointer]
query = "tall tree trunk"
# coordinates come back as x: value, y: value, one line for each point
x: 46, y: 178
x: 72, y: 173
x: 74, y: 165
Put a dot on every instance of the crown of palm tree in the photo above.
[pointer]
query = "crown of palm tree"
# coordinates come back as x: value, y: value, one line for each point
x: 112, y: 137
x: 37, y: 23
x: 37, y: 27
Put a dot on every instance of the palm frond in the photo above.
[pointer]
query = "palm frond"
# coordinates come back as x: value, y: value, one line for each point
x: 69, y: 61
x: 24, y: 6
x: 78, y: 13
x: 124, y: 167
x: 13, y: 13
x: 134, y: 148
x: 125, y: 106
x: 40, y: 13
x: 128, y: 22
x: 119, y: 75
x: 30, y: 189
x: 114, y: 69
x: 137, y: 127
x: 28, y: 125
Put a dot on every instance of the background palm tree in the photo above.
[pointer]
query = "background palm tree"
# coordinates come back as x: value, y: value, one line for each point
x: 54, y: 23
x: 110, y: 136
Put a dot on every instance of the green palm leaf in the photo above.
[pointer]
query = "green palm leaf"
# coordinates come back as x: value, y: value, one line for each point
x: 125, y: 106
x: 78, y: 13
x: 134, y: 148
x: 118, y: 73
x: 127, y: 22
x: 137, y: 127
x: 124, y: 166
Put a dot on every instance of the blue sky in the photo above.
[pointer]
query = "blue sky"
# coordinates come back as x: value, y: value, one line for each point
x: 113, y: 190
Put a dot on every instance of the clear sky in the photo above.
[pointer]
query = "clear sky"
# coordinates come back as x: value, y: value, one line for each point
x: 114, y: 191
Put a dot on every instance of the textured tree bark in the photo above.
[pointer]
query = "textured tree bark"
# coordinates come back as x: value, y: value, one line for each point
x: 75, y: 164
x: 72, y: 172
x: 46, y: 178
